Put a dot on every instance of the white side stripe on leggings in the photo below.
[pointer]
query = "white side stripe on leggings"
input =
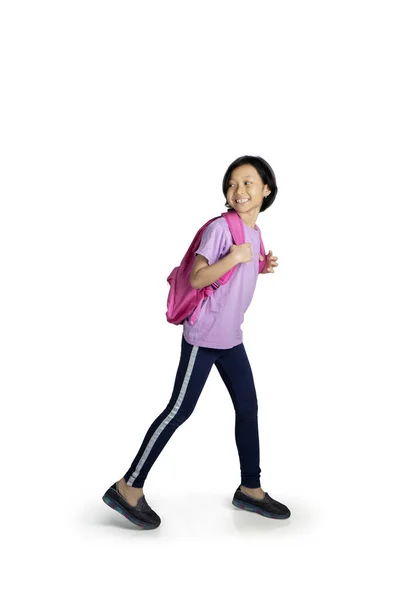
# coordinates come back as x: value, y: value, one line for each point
x: 169, y: 417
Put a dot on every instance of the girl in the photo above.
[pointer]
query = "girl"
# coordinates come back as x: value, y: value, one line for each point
x: 249, y: 187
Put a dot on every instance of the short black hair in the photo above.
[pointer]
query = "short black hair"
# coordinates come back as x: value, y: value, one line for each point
x: 263, y: 169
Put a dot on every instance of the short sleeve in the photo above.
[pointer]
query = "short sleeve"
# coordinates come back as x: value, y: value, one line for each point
x: 214, y: 243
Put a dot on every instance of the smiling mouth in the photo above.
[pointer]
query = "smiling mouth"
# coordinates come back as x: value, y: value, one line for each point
x: 242, y: 201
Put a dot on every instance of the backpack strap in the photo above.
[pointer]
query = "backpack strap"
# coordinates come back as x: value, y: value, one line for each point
x: 235, y: 224
x: 236, y: 228
x: 263, y: 262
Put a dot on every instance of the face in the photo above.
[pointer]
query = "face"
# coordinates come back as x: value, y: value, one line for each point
x: 246, y: 190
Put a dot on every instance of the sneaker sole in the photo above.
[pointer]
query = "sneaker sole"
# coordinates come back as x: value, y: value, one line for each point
x: 257, y: 509
x: 116, y: 506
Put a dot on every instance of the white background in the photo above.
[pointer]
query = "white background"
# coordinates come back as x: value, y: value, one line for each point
x: 118, y: 122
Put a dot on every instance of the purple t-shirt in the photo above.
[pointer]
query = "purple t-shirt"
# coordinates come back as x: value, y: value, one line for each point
x: 218, y: 323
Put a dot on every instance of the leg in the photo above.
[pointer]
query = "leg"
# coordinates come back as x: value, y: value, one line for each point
x: 234, y: 367
x: 193, y: 370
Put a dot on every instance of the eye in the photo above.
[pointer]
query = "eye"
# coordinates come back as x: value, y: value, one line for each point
x: 248, y: 182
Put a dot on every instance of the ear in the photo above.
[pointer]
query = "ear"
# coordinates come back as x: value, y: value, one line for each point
x: 267, y: 191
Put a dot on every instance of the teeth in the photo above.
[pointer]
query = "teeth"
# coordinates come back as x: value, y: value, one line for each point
x: 242, y: 201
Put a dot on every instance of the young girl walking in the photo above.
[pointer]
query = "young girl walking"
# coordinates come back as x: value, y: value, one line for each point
x: 215, y: 338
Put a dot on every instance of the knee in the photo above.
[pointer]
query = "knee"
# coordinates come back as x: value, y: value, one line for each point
x: 184, y: 416
x: 181, y: 417
x: 247, y: 414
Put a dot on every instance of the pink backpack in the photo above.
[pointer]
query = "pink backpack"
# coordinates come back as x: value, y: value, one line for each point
x: 183, y: 299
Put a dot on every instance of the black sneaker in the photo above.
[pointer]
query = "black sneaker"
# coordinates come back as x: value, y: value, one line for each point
x: 141, y: 514
x: 267, y: 507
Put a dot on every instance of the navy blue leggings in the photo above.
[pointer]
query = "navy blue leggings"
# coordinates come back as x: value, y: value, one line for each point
x: 194, y: 367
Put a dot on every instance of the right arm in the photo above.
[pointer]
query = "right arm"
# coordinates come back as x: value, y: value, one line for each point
x: 204, y: 274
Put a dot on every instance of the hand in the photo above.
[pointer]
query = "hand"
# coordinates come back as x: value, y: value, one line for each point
x: 242, y: 253
x: 270, y: 264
